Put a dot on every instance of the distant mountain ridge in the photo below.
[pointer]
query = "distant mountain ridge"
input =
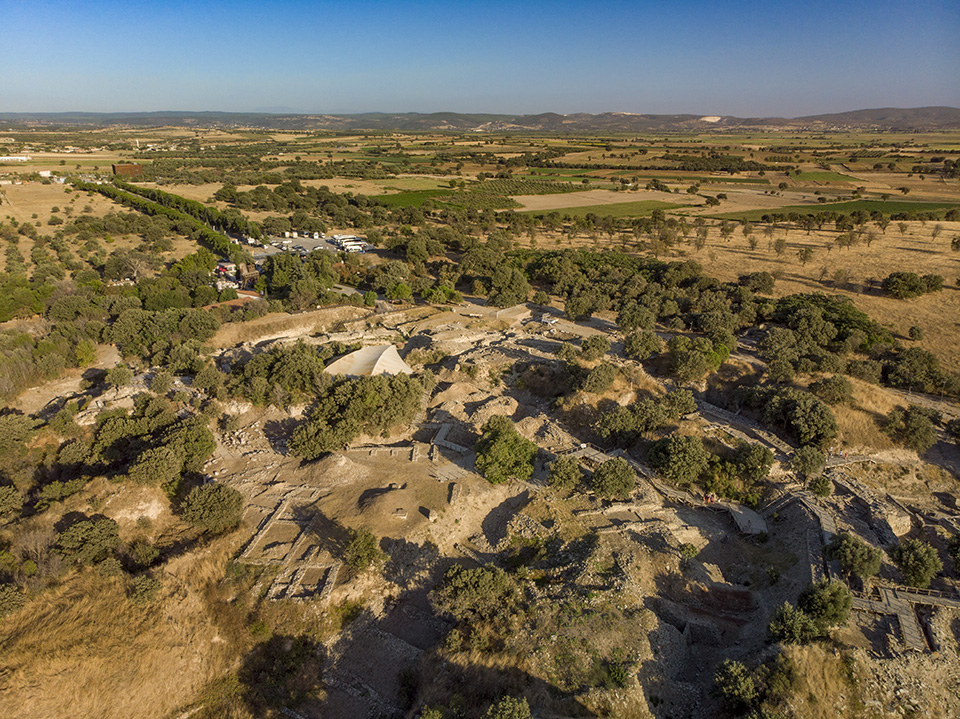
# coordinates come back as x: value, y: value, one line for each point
x: 881, y: 119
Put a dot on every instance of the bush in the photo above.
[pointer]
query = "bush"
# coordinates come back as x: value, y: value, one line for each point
x: 642, y: 344
x: 594, y: 347
x: 821, y: 486
x: 11, y: 599
x: 362, y: 550
x: 213, y: 507
x: 792, y: 626
x: 565, y: 472
x: 599, y: 379
x: 508, y: 708
x: 614, y: 478
x: 904, y: 285
x: 144, y: 589
x: 502, y: 453
x: 827, y: 603
x: 833, y: 390
x: 808, y: 461
x: 679, y: 458
x: 735, y: 685
x: 89, y: 541
x: 856, y: 556
x: 912, y: 427
x: 917, y: 561
x: 11, y: 501
x: 483, y: 593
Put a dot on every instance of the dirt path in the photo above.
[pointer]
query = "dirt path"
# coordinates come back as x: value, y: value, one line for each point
x: 34, y: 399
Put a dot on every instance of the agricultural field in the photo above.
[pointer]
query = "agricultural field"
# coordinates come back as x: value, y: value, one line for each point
x: 643, y: 389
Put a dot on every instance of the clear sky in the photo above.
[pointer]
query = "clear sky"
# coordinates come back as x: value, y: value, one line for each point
x: 722, y: 57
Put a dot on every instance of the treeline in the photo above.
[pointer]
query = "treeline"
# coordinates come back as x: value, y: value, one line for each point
x: 215, y: 241
x: 227, y: 221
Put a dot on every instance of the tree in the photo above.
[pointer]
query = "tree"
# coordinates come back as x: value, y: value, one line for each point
x: 594, y: 347
x: 508, y: 708
x: 120, y: 376
x: 502, y: 453
x: 565, y: 472
x: 477, y: 594
x: 917, y: 561
x: 827, y: 603
x: 508, y: 287
x: 679, y: 458
x: 89, y: 541
x: 912, y: 427
x: 158, y: 466
x: 642, y: 344
x: 213, y: 507
x: 791, y: 625
x: 614, y: 478
x: 735, y: 686
x: 691, y: 359
x: 856, y: 556
x: 11, y: 501
x: 833, y: 390
x: 362, y: 549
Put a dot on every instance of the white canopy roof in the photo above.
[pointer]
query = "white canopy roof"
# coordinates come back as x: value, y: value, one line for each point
x: 368, y: 361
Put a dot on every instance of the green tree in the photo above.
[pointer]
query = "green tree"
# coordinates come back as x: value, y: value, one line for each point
x: 735, y: 686
x: 808, y: 461
x: 477, y: 594
x: 856, y: 556
x: 508, y: 708
x: 508, y: 287
x: 827, y: 603
x: 362, y: 550
x: 912, y: 427
x: 642, y: 344
x: 679, y: 458
x: 502, y: 453
x: 594, y: 347
x: 158, y: 466
x: 614, y: 478
x: 213, y: 507
x: 565, y: 472
x: 11, y: 599
x: 792, y: 626
x: 120, y: 376
x: 90, y: 540
x: 833, y: 390
x: 917, y: 561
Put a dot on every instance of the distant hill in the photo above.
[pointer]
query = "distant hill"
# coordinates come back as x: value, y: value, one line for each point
x: 882, y: 119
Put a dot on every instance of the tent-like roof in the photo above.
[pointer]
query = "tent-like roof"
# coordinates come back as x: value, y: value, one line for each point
x: 368, y: 361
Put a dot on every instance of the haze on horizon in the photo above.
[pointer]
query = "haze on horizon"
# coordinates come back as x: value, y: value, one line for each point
x: 691, y: 56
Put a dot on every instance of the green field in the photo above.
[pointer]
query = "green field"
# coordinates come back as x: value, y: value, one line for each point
x: 824, y: 176
x: 414, y: 198
x: 639, y: 208
x: 887, y: 208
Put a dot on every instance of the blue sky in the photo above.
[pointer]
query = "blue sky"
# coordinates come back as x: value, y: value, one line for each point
x: 671, y: 56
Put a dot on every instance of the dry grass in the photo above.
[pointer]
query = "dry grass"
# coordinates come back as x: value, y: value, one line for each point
x: 822, y: 690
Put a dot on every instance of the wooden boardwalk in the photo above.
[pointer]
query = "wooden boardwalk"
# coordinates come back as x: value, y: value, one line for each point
x: 901, y: 602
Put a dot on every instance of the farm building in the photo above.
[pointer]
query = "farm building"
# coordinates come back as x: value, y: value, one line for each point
x: 368, y: 361
x: 129, y: 169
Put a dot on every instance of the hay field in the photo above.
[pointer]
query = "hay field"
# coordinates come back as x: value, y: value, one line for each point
x: 562, y: 201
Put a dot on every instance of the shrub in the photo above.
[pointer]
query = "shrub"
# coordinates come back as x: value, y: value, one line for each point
x: 594, y: 347
x: 856, y: 556
x: 912, y: 427
x: 599, y: 379
x: 502, y: 453
x: 362, y: 550
x: 144, y: 589
x: 642, y: 344
x: 735, y: 685
x: 827, y: 603
x: 821, y: 486
x: 792, y: 626
x: 917, y: 561
x: 681, y: 459
x: 482, y: 593
x: 808, y: 461
x: 565, y: 472
x: 89, y: 541
x: 11, y: 599
x: 614, y: 478
x: 213, y: 507
x: 508, y: 708
x: 11, y: 501
x: 833, y: 390
x: 915, y: 333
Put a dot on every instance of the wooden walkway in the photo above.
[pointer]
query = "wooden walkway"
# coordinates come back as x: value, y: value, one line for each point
x: 901, y: 602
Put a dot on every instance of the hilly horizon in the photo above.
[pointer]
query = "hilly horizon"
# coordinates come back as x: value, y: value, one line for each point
x: 877, y: 119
